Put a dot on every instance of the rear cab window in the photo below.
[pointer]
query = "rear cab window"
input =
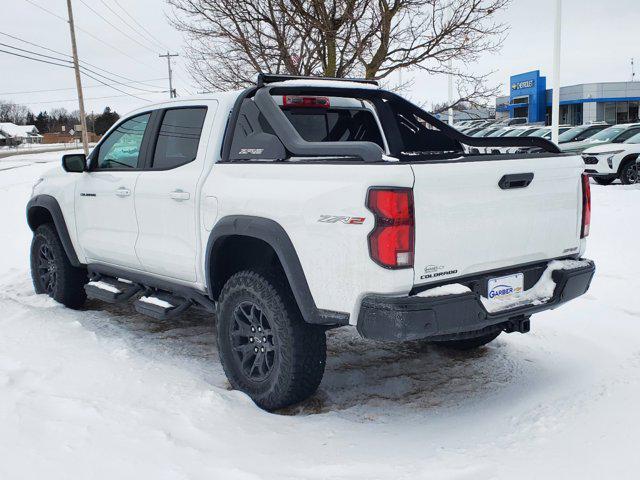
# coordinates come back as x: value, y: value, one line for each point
x: 331, y: 119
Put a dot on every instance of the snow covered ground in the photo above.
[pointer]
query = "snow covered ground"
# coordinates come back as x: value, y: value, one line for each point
x: 107, y: 393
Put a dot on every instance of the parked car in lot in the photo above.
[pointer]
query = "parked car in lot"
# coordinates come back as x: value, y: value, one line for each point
x: 581, y: 132
x: 605, y: 163
x: 614, y: 134
x: 300, y: 205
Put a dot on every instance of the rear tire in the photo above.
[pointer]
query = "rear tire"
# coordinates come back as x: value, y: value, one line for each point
x: 266, y: 349
x: 469, y: 343
x: 629, y: 173
x: 605, y: 180
x: 52, y: 272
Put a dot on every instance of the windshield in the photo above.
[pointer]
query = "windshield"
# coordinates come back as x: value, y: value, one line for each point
x: 571, y: 133
x: 607, y: 134
x: 499, y: 132
x: 520, y: 132
x: 541, y: 133
x: 484, y: 132
x: 634, y: 139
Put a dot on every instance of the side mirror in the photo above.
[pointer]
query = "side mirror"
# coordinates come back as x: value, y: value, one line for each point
x: 74, y: 162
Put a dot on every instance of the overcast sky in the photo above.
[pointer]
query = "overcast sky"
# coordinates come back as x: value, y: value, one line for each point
x: 598, y: 40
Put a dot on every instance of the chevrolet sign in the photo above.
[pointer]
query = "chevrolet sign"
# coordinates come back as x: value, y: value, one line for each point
x: 521, y: 85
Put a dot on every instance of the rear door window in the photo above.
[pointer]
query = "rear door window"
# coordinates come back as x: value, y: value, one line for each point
x: 178, y: 137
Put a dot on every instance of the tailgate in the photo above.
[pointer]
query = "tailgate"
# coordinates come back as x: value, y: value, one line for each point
x: 466, y: 223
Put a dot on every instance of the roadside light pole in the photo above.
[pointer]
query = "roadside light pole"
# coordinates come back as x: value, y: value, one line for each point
x: 76, y: 67
x: 555, y: 104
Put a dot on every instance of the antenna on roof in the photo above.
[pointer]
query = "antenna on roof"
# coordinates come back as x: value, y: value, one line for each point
x: 633, y: 71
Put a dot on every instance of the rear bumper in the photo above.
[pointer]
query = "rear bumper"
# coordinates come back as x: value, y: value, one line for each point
x: 413, y: 317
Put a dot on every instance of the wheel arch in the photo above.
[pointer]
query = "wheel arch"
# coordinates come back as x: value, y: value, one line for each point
x: 43, y: 209
x: 263, y: 237
x: 626, y: 160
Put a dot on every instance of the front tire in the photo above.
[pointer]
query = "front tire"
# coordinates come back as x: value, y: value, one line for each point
x: 266, y: 349
x: 605, y: 180
x: 629, y: 173
x: 52, y: 272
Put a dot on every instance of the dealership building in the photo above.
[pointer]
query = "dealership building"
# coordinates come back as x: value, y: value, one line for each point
x: 610, y: 102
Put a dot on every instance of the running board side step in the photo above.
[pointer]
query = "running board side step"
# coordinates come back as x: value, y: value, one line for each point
x: 161, y: 306
x: 159, y: 299
x: 111, y: 290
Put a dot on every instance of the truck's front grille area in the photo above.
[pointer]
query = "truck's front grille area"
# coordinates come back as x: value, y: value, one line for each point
x: 590, y: 160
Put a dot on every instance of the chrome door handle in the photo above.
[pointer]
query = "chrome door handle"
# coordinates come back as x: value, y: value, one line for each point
x: 180, y: 195
x: 123, y: 192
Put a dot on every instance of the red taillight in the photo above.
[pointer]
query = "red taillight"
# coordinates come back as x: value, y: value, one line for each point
x: 586, y: 206
x: 391, y: 241
x: 297, y: 101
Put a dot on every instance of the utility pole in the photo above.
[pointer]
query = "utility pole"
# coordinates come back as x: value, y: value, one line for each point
x: 172, y: 92
x: 555, y: 104
x: 633, y: 70
x: 76, y: 67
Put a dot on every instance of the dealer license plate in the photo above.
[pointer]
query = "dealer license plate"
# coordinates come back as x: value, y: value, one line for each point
x: 505, y: 289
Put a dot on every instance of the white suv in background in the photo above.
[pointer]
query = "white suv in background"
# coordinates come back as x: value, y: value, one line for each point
x: 607, y: 162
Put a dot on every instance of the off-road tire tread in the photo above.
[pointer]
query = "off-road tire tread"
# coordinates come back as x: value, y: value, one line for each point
x: 303, y: 345
x: 70, y: 283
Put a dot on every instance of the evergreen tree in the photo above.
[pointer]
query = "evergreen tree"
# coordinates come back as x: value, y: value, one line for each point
x: 104, y: 121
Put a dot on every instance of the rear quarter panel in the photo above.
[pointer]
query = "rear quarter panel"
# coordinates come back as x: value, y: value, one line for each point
x: 334, y: 255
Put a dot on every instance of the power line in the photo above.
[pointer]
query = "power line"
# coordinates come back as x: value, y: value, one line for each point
x: 70, y: 88
x: 131, y: 27
x: 164, y: 47
x: 83, y: 72
x: 115, y: 27
x: 115, y: 88
x: 35, y: 59
x: 83, y: 68
x: 34, y: 44
x: 82, y: 62
x: 35, y: 53
x: 75, y: 99
x: 86, y: 32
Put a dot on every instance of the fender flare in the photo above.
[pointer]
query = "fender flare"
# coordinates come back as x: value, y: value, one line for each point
x: 272, y: 233
x: 51, y: 205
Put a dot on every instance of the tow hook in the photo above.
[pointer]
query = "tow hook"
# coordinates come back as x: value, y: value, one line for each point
x: 520, y: 324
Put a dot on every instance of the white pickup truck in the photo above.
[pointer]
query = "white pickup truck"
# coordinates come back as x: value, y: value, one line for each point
x: 299, y: 205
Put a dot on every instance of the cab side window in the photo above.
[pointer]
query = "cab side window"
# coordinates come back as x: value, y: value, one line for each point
x: 121, y: 149
x: 178, y: 137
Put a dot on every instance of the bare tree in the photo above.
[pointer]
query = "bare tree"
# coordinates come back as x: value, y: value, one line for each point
x: 13, y: 112
x: 231, y: 40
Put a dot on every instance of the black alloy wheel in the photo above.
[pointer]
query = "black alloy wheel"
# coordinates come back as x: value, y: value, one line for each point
x: 47, y: 269
x: 253, y: 341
